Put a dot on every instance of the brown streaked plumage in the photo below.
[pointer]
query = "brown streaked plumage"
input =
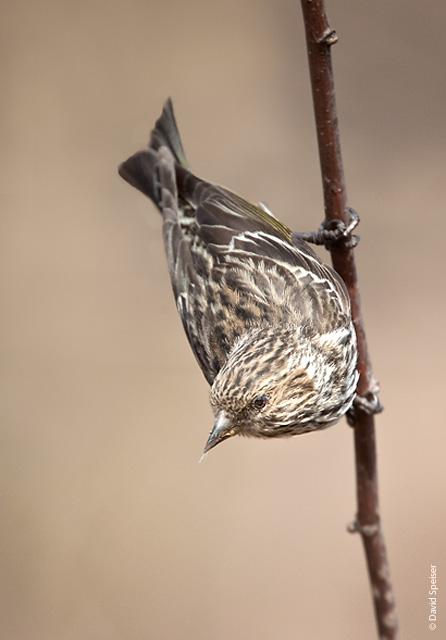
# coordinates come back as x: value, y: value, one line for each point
x: 268, y: 323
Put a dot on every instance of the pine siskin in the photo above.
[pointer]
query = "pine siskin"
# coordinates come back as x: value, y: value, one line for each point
x: 269, y: 324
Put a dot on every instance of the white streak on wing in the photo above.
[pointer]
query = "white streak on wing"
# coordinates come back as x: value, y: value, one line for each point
x: 182, y: 303
x: 251, y: 236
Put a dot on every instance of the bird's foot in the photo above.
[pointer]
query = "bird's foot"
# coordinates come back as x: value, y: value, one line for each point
x: 333, y: 232
x: 369, y: 403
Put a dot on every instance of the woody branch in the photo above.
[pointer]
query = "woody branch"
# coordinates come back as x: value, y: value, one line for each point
x: 320, y: 37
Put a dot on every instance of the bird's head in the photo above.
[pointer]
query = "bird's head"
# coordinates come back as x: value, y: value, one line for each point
x: 268, y: 387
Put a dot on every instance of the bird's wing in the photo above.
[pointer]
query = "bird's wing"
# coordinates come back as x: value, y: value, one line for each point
x: 233, y: 266
x: 234, y: 229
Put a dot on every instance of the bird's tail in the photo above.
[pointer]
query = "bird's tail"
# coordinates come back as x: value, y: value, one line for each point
x: 141, y: 169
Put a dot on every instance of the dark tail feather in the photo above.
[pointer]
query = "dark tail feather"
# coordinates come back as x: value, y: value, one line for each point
x: 166, y: 134
x: 141, y: 170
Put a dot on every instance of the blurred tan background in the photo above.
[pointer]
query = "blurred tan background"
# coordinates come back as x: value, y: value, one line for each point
x: 110, y: 528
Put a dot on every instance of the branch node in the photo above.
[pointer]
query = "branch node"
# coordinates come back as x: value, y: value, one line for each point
x: 367, y: 530
x: 328, y: 37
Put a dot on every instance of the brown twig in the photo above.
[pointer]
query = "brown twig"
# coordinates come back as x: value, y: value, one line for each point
x: 320, y: 36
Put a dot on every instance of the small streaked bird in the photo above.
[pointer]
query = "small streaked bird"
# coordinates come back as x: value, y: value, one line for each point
x: 269, y: 324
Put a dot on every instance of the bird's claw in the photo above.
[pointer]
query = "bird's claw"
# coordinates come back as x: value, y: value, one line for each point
x: 368, y: 403
x: 333, y: 232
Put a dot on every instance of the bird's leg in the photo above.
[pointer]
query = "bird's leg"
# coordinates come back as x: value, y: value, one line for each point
x: 332, y: 232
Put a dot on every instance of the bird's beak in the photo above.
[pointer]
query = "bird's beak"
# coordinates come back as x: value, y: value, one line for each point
x: 222, y: 429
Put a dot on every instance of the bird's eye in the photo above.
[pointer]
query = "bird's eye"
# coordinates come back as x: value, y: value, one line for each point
x: 260, y: 401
